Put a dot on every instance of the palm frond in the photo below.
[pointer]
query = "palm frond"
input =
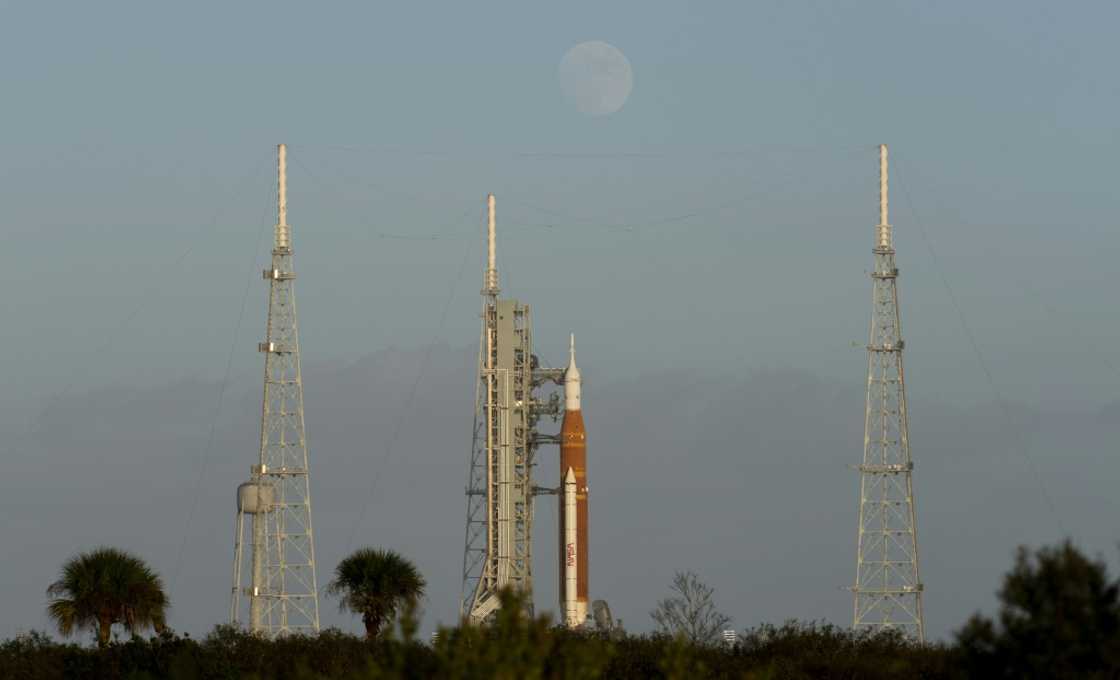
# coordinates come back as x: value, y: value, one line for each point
x: 65, y: 616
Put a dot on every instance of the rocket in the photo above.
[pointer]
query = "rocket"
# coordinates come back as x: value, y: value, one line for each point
x: 573, y: 500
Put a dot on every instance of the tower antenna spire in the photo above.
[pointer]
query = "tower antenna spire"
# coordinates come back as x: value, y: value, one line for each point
x: 283, y: 232
x: 491, y: 283
x: 888, y: 588
x: 883, y: 231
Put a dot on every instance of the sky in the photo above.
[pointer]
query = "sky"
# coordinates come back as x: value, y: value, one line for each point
x: 708, y: 243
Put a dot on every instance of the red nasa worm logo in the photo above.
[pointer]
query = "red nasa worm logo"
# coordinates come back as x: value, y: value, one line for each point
x: 571, y: 554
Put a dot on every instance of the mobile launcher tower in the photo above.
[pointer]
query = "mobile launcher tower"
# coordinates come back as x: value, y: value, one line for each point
x: 500, y: 490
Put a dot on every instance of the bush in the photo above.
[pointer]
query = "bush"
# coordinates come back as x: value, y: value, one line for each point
x: 515, y: 646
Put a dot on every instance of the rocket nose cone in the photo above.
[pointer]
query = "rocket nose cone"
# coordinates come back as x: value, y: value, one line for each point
x: 572, y: 379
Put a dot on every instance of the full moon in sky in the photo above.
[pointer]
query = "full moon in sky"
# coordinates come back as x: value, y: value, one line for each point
x: 596, y: 78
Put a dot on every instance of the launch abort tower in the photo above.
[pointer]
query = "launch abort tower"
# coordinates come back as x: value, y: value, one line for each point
x: 888, y: 590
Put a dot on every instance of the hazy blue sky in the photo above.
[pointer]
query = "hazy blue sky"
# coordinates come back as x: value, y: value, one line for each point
x: 718, y: 227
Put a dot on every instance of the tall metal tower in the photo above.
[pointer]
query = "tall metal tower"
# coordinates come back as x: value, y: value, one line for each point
x: 283, y: 594
x: 497, y: 550
x: 888, y: 590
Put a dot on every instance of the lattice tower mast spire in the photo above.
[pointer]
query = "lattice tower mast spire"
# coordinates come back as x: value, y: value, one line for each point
x: 283, y: 591
x: 888, y: 589
x: 479, y: 553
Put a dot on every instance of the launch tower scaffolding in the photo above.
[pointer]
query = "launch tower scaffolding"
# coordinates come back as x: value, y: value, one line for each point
x: 499, y: 529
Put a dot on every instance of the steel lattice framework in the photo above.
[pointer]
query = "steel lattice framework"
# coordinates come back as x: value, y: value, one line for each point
x: 500, y: 500
x: 283, y: 591
x: 888, y: 589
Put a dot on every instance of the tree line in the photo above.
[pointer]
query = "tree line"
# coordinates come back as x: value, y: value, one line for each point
x: 1059, y: 617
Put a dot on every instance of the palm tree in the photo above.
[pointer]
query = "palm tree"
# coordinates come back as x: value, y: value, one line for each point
x: 376, y: 583
x: 106, y: 586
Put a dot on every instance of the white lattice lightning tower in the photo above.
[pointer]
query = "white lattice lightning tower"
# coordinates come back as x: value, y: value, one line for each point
x: 888, y: 589
x: 282, y: 594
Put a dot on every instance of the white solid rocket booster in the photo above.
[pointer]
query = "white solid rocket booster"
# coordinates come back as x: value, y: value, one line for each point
x: 571, y: 552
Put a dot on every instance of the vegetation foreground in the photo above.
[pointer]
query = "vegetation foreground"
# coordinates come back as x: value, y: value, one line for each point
x: 1059, y: 618
x: 514, y: 648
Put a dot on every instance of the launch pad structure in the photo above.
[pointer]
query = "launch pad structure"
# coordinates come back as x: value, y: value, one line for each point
x: 498, y: 541
x: 282, y: 591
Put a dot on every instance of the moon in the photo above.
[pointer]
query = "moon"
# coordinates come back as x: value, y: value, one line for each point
x: 596, y: 78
